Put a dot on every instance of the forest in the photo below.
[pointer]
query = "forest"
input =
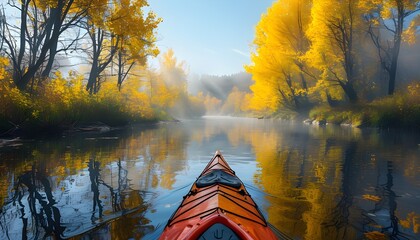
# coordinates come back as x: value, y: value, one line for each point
x: 349, y: 61
x: 69, y: 62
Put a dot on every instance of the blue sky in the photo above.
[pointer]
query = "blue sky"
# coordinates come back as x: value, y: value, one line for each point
x: 211, y: 36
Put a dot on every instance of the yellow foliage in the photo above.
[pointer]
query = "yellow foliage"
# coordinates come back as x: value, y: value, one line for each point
x: 62, y: 100
x: 234, y: 104
x: 410, y: 34
x: 375, y: 235
x: 135, y: 29
x: 412, y: 222
x: 414, y: 89
x: 372, y: 197
x: 15, y: 104
x: 44, y: 4
x: 170, y: 83
x: 137, y: 102
x: 173, y: 72
x: 265, y: 98
x: 246, y: 103
x: 3, y: 63
x: 130, y: 100
x: 277, y: 65
x: 330, y: 49
x: 212, y: 104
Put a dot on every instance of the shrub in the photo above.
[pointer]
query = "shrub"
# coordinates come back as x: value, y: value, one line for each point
x: 60, y: 102
x: 399, y: 110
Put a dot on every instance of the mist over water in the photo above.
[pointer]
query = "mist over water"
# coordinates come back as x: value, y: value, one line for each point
x: 310, y: 182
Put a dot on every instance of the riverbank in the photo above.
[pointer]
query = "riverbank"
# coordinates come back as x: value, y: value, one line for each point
x: 41, y: 115
x: 63, y: 104
x: 399, y: 111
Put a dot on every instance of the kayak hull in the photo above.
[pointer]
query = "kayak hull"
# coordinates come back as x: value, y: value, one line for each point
x: 217, y: 205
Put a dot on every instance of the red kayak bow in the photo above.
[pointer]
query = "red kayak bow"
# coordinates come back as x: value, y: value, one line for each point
x: 218, y: 206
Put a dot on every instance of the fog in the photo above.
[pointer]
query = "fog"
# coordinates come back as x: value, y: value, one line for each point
x: 219, y: 86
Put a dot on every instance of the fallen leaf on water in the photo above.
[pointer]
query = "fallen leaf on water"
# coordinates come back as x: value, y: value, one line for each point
x: 375, y: 235
x: 372, y: 197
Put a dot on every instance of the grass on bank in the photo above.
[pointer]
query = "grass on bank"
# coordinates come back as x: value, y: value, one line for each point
x: 402, y: 110
x: 62, y: 102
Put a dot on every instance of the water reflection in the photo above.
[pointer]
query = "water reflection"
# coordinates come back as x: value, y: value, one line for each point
x: 392, y: 204
x: 42, y: 210
x: 382, y: 220
x: 311, y: 182
x: 94, y: 185
x: 64, y: 187
x: 339, y: 218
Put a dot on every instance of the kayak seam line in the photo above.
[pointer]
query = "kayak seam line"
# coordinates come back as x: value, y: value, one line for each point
x: 215, y: 193
x: 212, y: 210
x: 259, y: 216
x: 195, y: 205
x: 222, y: 191
x: 184, y: 219
x: 217, y: 163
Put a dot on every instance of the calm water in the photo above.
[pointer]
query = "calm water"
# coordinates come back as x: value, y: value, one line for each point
x: 311, y: 182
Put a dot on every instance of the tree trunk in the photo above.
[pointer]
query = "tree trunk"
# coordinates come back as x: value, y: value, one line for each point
x: 56, y: 16
x: 396, y: 51
x: 93, y: 75
x: 393, y: 70
x: 48, y: 68
x: 22, y: 80
x: 120, y: 69
x: 350, y: 92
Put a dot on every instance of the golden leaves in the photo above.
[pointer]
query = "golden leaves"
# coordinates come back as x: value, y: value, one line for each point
x: 411, y: 222
x: 410, y: 34
x: 277, y: 65
x: 375, y: 235
x: 370, y: 197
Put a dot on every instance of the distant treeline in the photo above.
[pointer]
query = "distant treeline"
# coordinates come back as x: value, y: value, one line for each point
x: 220, y: 86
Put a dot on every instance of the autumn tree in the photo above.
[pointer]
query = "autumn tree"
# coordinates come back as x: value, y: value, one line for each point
x: 169, y: 89
x: 121, y: 34
x: 33, y: 45
x: 101, y: 49
x: 387, y: 23
x: 212, y: 104
x: 174, y: 74
x: 172, y: 83
x: 281, y: 76
x: 334, y: 34
x: 137, y: 34
x: 236, y: 103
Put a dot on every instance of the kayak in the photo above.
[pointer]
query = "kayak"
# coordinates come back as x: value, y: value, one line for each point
x: 218, y: 206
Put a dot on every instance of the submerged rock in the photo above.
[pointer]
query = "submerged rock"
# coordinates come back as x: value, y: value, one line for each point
x: 307, y: 121
x: 320, y: 122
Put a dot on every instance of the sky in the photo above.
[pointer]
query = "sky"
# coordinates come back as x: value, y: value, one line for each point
x: 210, y: 36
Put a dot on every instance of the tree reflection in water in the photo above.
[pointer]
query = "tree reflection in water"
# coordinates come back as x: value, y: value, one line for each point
x: 383, y: 214
x: 123, y: 225
x: 314, y: 182
x: 47, y: 215
x: 93, y: 168
x: 339, y: 218
x: 117, y: 196
x: 115, y: 210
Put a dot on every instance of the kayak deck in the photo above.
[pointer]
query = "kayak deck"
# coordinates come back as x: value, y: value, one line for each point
x: 218, y: 206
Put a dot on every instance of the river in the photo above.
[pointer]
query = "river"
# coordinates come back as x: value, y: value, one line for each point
x: 311, y: 182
